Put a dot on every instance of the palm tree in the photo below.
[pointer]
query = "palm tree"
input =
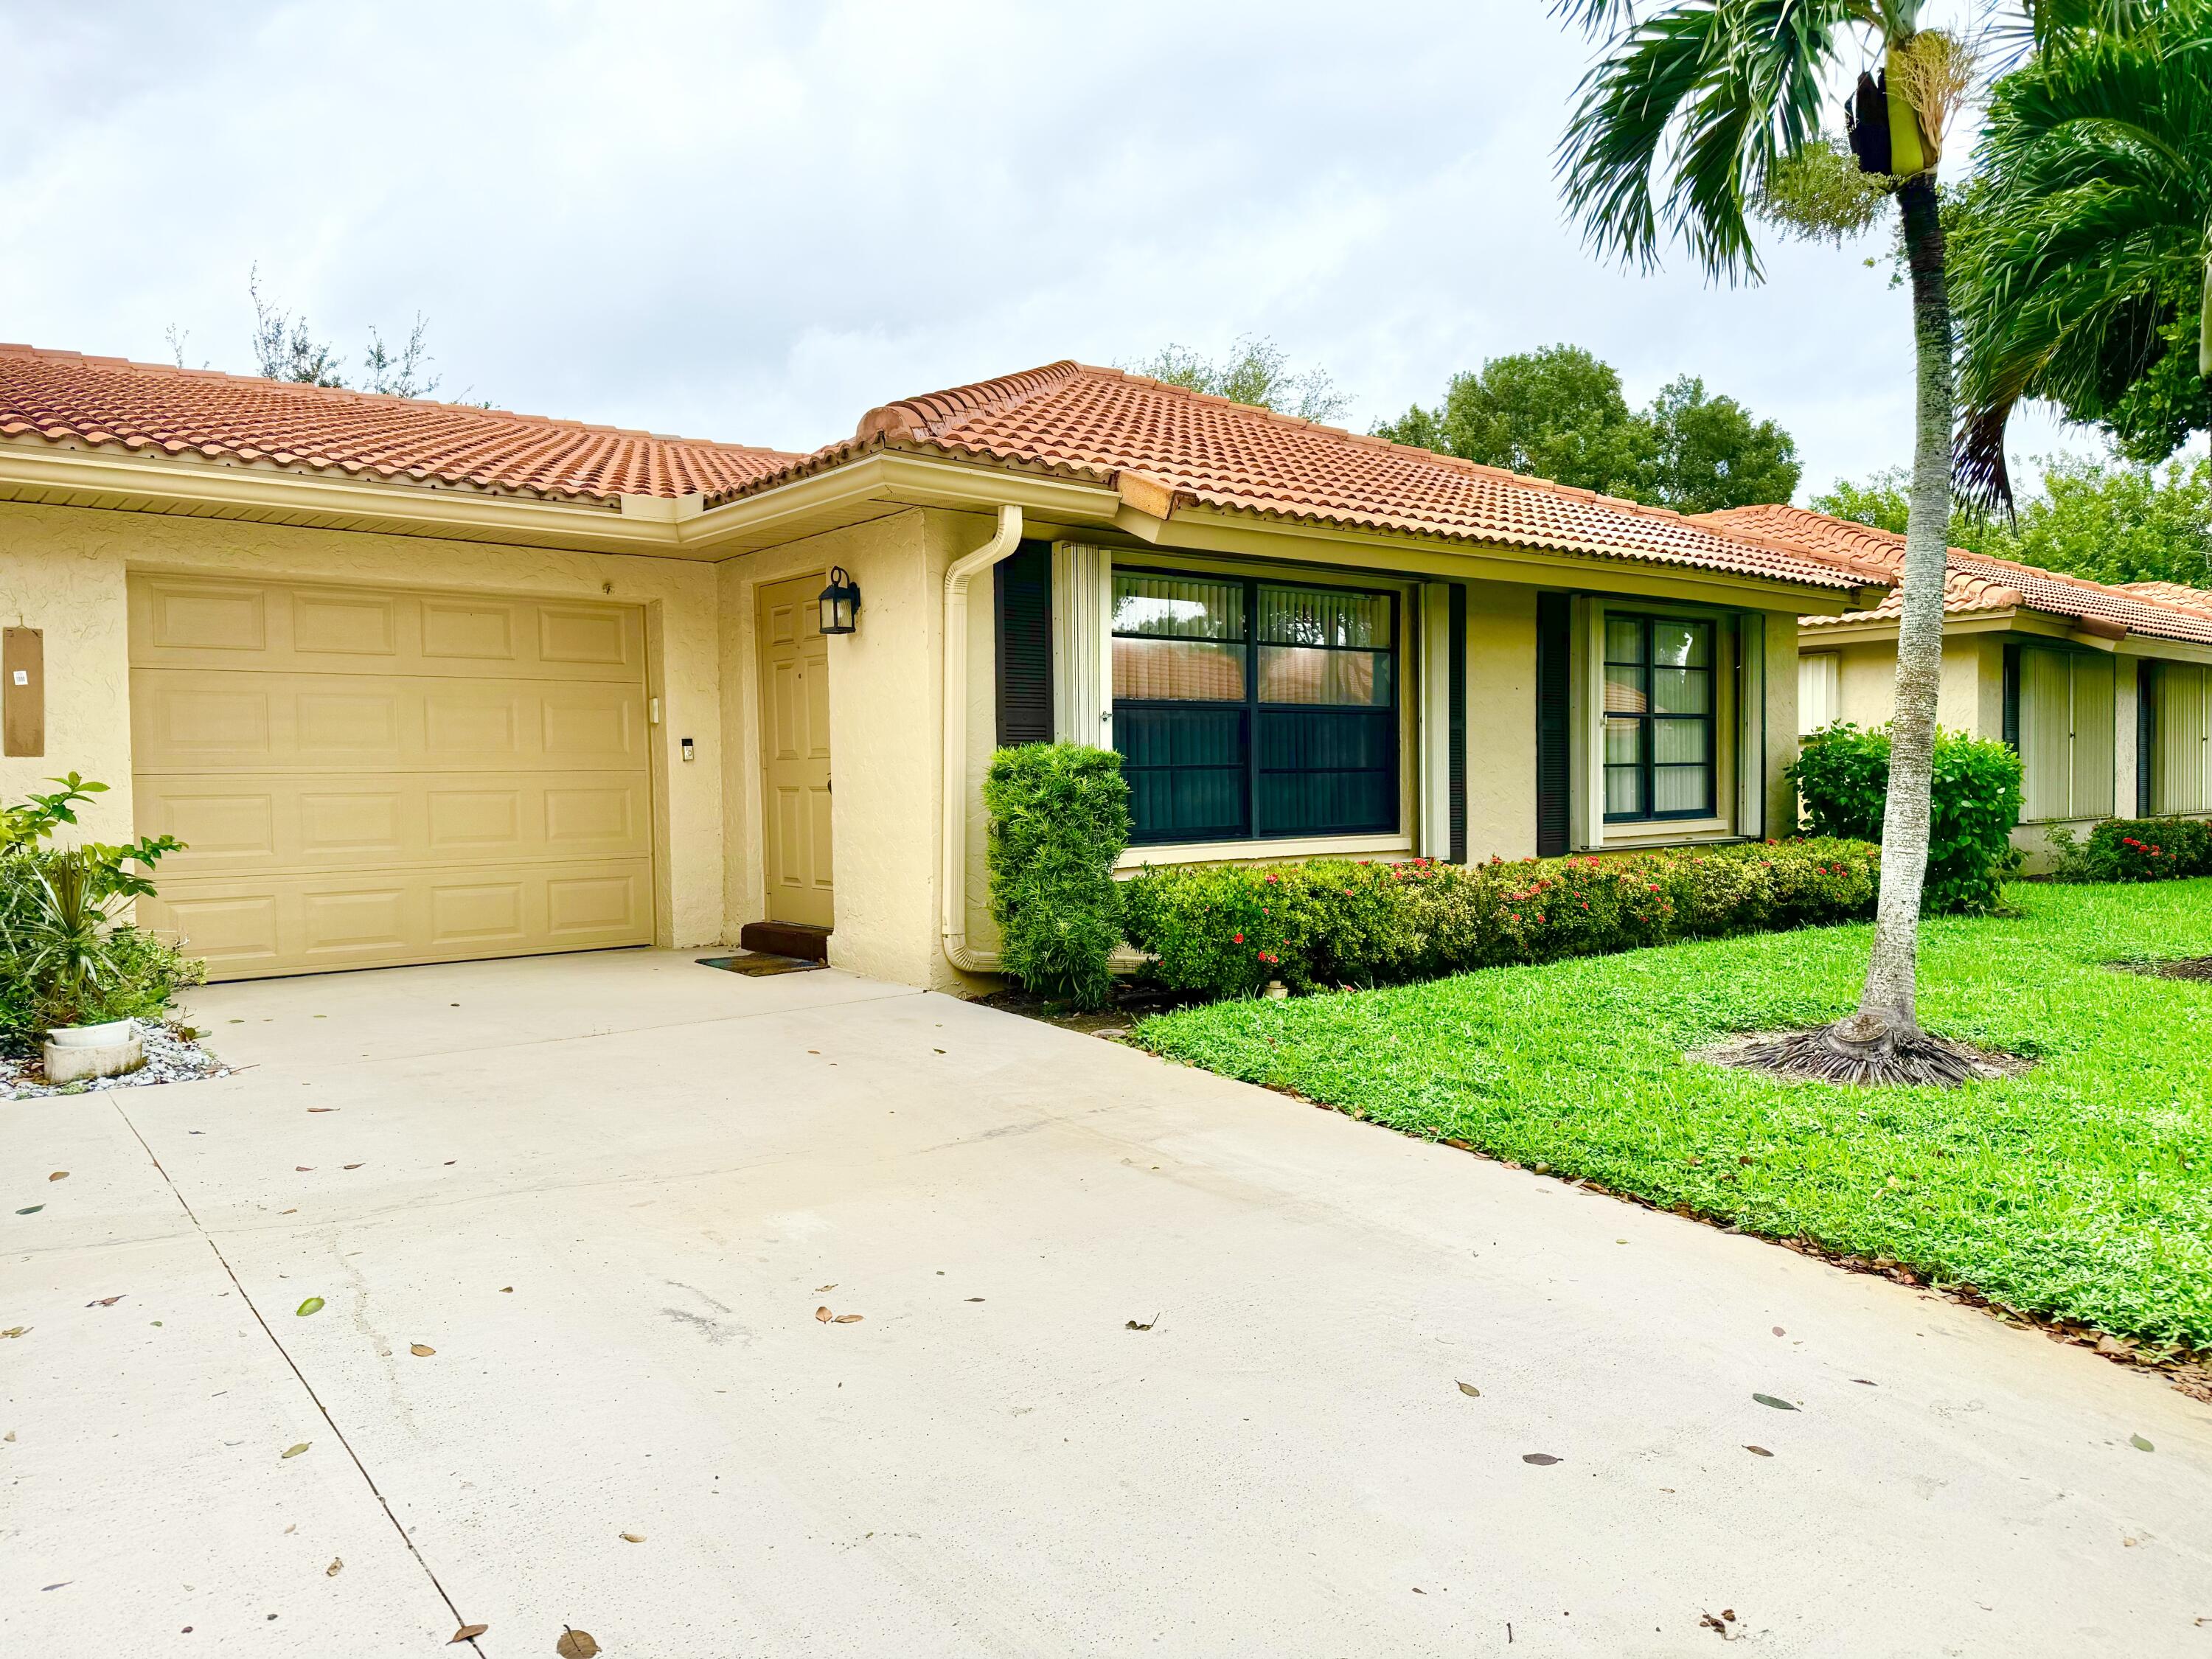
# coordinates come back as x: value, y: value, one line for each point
x: 1694, y: 111
x: 2091, y: 242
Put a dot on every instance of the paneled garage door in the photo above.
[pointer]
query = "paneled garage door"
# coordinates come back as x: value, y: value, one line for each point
x: 369, y: 777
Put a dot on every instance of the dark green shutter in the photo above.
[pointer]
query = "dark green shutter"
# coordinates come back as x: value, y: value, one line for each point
x: 2010, y: 731
x: 1456, y: 675
x: 1023, y: 603
x: 1554, y: 746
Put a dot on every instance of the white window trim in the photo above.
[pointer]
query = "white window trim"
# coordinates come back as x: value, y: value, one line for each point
x: 1732, y: 733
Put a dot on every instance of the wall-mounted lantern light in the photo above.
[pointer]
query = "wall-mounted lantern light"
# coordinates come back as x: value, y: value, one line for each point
x: 840, y: 602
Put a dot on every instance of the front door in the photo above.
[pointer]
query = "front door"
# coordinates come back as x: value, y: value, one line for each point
x: 794, y: 688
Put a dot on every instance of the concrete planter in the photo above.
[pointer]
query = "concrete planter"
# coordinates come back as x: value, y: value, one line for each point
x: 75, y: 1053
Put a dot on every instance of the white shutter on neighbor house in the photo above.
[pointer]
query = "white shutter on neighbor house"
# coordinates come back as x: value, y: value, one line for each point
x: 1820, y: 691
x: 2067, y: 740
x: 2182, y: 769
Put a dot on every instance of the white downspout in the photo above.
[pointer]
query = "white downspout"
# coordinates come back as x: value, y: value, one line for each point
x: 952, y: 878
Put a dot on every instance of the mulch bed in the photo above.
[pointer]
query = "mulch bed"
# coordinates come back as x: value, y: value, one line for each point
x: 2189, y: 968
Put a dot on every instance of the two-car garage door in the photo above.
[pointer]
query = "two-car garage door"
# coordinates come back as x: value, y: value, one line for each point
x: 367, y: 777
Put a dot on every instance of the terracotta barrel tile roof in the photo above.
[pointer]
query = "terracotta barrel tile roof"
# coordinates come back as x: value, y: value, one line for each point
x: 1972, y: 582
x: 64, y: 397
x: 2189, y: 599
x: 1100, y: 423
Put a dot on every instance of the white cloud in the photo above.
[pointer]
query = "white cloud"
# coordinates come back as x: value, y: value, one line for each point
x: 753, y: 221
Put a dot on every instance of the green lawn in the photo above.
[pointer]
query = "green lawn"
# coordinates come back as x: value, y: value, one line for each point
x: 2082, y: 1190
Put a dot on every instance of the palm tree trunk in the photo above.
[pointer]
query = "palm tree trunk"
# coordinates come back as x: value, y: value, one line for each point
x: 1887, y: 1004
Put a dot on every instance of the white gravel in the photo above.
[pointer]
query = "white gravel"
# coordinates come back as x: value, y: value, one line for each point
x: 171, y: 1057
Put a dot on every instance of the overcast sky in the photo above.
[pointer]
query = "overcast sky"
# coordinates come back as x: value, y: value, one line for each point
x: 752, y: 222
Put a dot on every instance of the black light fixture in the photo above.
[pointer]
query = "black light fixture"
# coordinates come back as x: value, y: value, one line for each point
x: 840, y: 602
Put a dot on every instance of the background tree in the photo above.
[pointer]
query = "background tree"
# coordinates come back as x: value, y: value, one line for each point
x: 2110, y: 520
x: 286, y: 349
x: 1678, y: 131
x: 1256, y: 372
x: 2084, y: 270
x: 1559, y: 413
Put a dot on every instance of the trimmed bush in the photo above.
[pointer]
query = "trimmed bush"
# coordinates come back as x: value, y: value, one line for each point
x: 1058, y: 818
x: 1842, y: 772
x: 1228, y: 930
x: 2135, y: 849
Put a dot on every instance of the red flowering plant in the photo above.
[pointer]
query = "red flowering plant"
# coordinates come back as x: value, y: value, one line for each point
x: 2135, y: 849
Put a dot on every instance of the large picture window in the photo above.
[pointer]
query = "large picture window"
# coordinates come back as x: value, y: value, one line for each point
x: 1659, y: 724
x: 1251, y: 710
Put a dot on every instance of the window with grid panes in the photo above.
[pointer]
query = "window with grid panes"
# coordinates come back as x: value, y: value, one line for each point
x: 1660, y: 698
x: 1254, y: 710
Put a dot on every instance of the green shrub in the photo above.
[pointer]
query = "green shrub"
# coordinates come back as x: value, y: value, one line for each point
x: 2135, y: 849
x: 1228, y: 930
x: 64, y: 958
x: 1059, y: 819
x: 1842, y: 775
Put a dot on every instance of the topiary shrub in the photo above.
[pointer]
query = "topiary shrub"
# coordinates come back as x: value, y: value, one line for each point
x: 2135, y: 849
x: 1842, y: 772
x: 1059, y: 819
x: 1228, y: 930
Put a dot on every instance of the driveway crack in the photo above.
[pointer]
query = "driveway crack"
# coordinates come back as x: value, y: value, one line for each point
x: 293, y: 1365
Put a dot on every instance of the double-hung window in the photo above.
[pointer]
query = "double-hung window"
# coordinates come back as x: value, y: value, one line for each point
x: 1253, y: 710
x: 1659, y: 706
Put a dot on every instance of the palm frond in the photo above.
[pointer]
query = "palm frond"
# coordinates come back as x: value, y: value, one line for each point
x: 1708, y: 95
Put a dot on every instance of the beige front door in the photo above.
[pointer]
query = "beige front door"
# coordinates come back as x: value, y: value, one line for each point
x: 794, y: 691
x: 370, y: 776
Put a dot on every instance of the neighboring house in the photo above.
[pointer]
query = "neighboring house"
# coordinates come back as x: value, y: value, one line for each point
x: 2105, y: 690
x: 420, y: 683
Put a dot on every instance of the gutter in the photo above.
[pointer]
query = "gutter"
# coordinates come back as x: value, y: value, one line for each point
x: 952, y: 877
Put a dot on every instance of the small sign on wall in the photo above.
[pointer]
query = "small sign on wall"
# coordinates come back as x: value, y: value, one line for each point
x: 22, y: 692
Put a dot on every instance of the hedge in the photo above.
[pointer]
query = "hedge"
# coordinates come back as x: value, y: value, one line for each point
x: 1842, y: 774
x: 2135, y: 849
x: 1059, y: 819
x: 1230, y: 930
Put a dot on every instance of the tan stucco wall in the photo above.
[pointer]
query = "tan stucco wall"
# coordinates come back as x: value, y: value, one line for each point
x: 63, y: 569
x: 885, y: 738
x: 1501, y: 721
x: 1971, y: 698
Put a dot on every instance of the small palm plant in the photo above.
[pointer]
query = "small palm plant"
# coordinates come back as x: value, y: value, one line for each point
x: 1702, y: 115
x: 63, y: 949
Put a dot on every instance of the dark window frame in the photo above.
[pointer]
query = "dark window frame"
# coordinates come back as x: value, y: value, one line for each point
x: 1252, y: 707
x: 1648, y: 765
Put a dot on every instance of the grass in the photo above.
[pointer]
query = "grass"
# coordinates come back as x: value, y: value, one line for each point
x: 2080, y: 1191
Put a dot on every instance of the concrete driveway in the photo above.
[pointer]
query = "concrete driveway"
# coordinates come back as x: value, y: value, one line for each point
x: 611, y: 1193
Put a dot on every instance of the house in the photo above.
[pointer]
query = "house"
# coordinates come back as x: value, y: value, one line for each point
x: 419, y: 682
x: 2105, y: 691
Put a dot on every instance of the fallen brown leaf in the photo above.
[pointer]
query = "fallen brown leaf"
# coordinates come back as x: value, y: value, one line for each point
x: 322, y: 1108
x: 420, y: 1350
x: 294, y: 1451
x: 1470, y: 1391
x: 1134, y: 1325
x: 633, y: 1538
x: 353, y: 1166
x: 575, y: 1645
x: 59, y: 1174
x: 1759, y: 1451
x: 468, y: 1633
x: 331, y: 1570
x: 847, y: 1319
x: 1541, y: 1460
x: 823, y: 1315
x: 14, y: 1330
x: 506, y: 1290
x: 301, y: 1169
x: 820, y: 1290
x: 108, y: 1301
